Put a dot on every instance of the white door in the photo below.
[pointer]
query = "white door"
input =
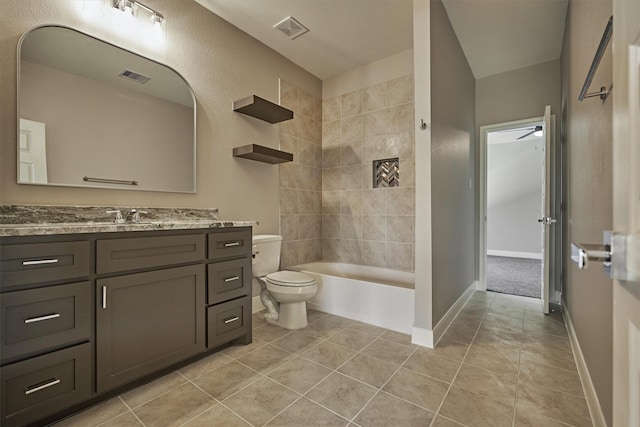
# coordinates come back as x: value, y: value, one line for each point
x: 626, y: 213
x: 547, y: 221
x: 33, y: 152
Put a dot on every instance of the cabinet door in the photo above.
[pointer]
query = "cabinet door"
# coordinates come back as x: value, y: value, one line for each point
x: 148, y: 321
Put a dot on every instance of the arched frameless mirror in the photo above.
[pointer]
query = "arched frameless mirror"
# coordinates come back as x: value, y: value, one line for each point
x: 92, y: 114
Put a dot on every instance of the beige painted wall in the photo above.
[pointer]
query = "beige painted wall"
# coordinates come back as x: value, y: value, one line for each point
x: 587, y: 137
x: 452, y: 159
x: 221, y: 63
x: 518, y: 94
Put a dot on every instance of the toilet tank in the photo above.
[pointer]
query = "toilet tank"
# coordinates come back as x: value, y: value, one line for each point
x: 267, y: 254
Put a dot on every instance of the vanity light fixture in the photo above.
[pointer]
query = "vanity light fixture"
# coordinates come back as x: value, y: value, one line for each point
x: 130, y: 6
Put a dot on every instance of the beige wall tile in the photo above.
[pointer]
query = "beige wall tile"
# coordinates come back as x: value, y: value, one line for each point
x: 289, y: 225
x: 290, y: 144
x: 400, y: 201
x: 331, y: 179
x: 318, y: 110
x: 330, y: 226
x: 351, y: 251
x: 307, y: 128
x: 317, y: 179
x: 351, y: 227
x: 352, y: 128
x: 373, y: 201
x: 375, y: 123
x: 329, y: 248
x: 289, y: 175
x: 351, y: 177
x: 289, y: 253
x: 374, y: 228
x: 332, y: 132
x: 352, y: 152
x: 307, y: 154
x: 401, y: 144
x: 399, y: 256
x: 306, y: 177
x: 309, y: 202
x: 288, y: 201
x: 331, y: 156
x: 332, y: 109
x: 407, y: 173
x: 352, y: 103
x: 317, y: 132
x: 307, y: 104
x: 400, y: 118
x: 374, y: 97
x: 374, y: 253
x: 400, y: 228
x: 351, y: 202
x: 289, y: 96
x: 290, y: 127
x: 307, y: 251
x: 307, y: 226
x: 400, y: 90
x: 331, y: 201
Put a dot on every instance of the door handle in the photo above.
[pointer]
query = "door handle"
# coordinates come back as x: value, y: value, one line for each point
x: 582, y: 253
x: 547, y: 220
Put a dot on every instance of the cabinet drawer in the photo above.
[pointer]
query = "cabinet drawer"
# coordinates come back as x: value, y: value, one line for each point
x: 144, y: 252
x: 44, y: 385
x: 228, y: 321
x: 43, y: 262
x: 229, y: 244
x: 228, y: 280
x: 36, y: 319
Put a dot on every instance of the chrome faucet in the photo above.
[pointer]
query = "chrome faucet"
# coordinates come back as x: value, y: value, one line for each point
x: 118, y: 219
x: 134, y: 214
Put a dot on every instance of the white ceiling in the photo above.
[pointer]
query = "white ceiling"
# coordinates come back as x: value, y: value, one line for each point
x: 496, y: 35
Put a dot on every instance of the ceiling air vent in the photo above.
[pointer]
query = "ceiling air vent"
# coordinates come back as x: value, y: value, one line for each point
x: 132, y: 75
x: 291, y: 27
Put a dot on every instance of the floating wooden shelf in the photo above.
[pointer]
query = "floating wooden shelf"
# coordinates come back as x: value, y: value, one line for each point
x: 262, y: 109
x: 263, y: 154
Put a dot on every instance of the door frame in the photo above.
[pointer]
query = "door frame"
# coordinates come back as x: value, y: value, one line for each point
x: 482, y: 169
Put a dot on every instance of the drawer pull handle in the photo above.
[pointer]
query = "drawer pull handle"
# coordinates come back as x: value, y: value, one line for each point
x: 231, y: 244
x: 41, y: 318
x: 47, y: 384
x: 40, y: 261
x: 231, y: 320
x: 104, y: 297
x: 232, y: 279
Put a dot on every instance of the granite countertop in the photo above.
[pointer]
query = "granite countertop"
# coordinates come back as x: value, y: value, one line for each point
x: 21, y: 220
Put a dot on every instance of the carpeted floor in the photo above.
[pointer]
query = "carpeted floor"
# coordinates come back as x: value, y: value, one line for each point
x: 515, y: 276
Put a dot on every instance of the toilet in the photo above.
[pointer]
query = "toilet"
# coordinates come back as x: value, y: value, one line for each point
x: 284, y: 293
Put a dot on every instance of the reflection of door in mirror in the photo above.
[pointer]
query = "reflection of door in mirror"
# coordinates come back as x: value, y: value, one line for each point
x: 33, y: 152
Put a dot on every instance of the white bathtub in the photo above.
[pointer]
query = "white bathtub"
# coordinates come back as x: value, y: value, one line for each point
x: 373, y: 295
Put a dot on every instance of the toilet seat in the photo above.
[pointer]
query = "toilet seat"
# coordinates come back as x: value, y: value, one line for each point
x: 290, y: 278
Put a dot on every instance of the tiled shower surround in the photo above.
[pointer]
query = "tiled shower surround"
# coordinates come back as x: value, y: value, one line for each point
x: 301, y: 180
x: 329, y: 209
x: 362, y: 224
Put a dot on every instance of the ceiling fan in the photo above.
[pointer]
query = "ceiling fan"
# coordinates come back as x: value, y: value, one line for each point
x: 536, y: 131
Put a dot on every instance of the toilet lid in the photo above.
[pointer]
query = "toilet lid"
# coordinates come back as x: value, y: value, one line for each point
x: 290, y: 278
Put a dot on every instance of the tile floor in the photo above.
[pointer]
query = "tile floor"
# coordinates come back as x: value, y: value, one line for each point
x: 501, y: 363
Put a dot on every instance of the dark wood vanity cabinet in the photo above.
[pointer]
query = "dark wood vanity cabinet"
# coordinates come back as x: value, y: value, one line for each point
x: 112, y: 311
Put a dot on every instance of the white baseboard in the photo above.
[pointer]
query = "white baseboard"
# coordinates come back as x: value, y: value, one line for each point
x: 429, y: 338
x: 597, y: 416
x: 513, y: 254
x: 256, y: 304
x: 422, y: 336
x: 452, y: 313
